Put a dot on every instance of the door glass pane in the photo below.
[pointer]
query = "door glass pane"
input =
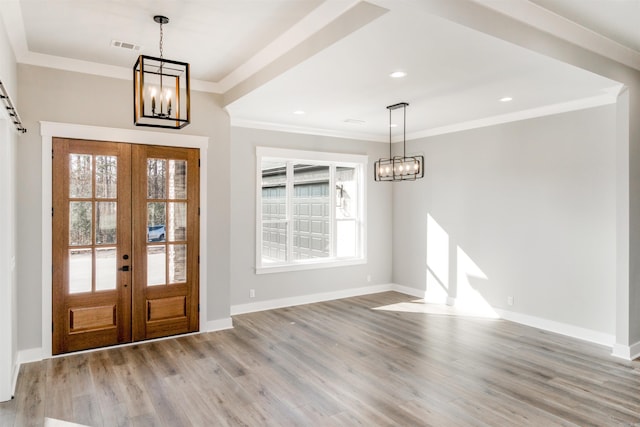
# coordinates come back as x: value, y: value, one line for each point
x: 311, y: 201
x: 106, y: 268
x: 80, y: 222
x: 156, y: 178
x: 106, y: 177
x: 106, y: 221
x: 177, y: 179
x: 177, y: 222
x: 156, y: 265
x: 80, y: 176
x: 156, y: 220
x: 80, y: 261
x: 177, y: 263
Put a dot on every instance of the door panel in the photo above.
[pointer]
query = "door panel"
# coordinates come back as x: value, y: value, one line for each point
x: 91, y: 235
x: 166, y: 261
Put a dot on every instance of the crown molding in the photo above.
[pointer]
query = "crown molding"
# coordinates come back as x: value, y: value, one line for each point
x: 305, y: 130
x: 548, y: 110
x: 549, y: 22
x: 94, y: 68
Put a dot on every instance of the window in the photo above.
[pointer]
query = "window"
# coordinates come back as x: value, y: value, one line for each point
x: 310, y: 209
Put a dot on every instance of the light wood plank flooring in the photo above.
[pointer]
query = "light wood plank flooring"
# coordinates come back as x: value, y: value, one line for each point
x: 338, y: 363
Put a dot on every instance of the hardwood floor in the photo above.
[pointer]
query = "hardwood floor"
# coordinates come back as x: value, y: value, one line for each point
x: 337, y: 363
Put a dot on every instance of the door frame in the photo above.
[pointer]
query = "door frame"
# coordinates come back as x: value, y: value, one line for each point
x: 8, y: 308
x: 49, y: 130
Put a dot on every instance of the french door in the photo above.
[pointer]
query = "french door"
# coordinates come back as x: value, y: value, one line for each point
x: 125, y: 243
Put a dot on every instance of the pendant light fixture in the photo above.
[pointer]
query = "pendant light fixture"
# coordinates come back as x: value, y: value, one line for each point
x: 399, y: 168
x: 161, y: 95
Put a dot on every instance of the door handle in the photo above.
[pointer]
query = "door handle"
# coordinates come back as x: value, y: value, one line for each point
x: 124, y: 268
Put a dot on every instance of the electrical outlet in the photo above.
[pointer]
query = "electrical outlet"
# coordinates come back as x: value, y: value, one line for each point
x: 252, y: 293
x: 509, y: 300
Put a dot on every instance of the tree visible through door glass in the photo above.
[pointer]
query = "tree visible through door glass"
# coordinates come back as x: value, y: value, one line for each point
x: 177, y: 179
x: 80, y: 176
x: 156, y: 178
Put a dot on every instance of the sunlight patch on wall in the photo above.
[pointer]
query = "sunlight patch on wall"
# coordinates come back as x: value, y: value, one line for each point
x: 468, y: 299
x: 452, y: 276
x: 437, y: 262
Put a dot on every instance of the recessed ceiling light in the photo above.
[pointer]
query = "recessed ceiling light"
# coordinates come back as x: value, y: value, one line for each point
x: 397, y: 74
x: 506, y: 99
x: 298, y: 112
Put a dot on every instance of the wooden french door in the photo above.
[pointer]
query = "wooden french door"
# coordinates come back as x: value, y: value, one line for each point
x: 165, y: 243
x: 125, y: 243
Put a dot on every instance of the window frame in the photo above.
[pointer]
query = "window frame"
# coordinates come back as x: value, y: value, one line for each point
x: 333, y: 160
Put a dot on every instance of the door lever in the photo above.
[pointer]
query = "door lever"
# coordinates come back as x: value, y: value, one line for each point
x: 124, y: 268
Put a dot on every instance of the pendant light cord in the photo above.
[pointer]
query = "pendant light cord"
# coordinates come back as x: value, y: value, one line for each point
x: 161, y: 64
x: 161, y: 37
x: 389, y: 133
x: 404, y: 133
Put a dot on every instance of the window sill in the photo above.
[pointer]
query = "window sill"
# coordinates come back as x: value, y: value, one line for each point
x: 280, y: 268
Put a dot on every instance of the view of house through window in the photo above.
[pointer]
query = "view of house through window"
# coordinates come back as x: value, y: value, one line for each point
x: 310, y: 211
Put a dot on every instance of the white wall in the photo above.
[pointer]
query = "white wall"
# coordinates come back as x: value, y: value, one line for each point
x: 552, y: 41
x: 8, y: 282
x: 274, y: 286
x: 526, y: 209
x: 61, y: 96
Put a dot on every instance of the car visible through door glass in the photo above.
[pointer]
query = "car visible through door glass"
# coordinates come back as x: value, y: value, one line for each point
x: 156, y: 233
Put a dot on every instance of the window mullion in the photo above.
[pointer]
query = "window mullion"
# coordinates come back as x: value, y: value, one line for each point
x: 360, y: 223
x: 332, y: 211
x: 289, y: 195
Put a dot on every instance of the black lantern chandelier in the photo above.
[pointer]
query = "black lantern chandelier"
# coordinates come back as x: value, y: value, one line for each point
x: 399, y: 168
x: 161, y: 95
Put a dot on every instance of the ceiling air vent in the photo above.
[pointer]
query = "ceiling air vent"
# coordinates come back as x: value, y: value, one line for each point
x: 125, y: 45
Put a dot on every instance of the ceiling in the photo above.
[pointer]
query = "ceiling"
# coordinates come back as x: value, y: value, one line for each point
x: 330, y: 59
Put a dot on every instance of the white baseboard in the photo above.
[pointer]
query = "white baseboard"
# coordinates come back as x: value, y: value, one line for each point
x: 14, y: 378
x: 29, y: 355
x: 418, y: 293
x: 219, y: 325
x: 627, y: 352
x: 24, y: 356
x: 558, y: 327
x: 307, y: 299
x: 545, y: 324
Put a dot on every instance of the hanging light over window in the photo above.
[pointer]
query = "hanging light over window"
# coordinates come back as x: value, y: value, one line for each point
x: 161, y: 95
x: 399, y: 168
